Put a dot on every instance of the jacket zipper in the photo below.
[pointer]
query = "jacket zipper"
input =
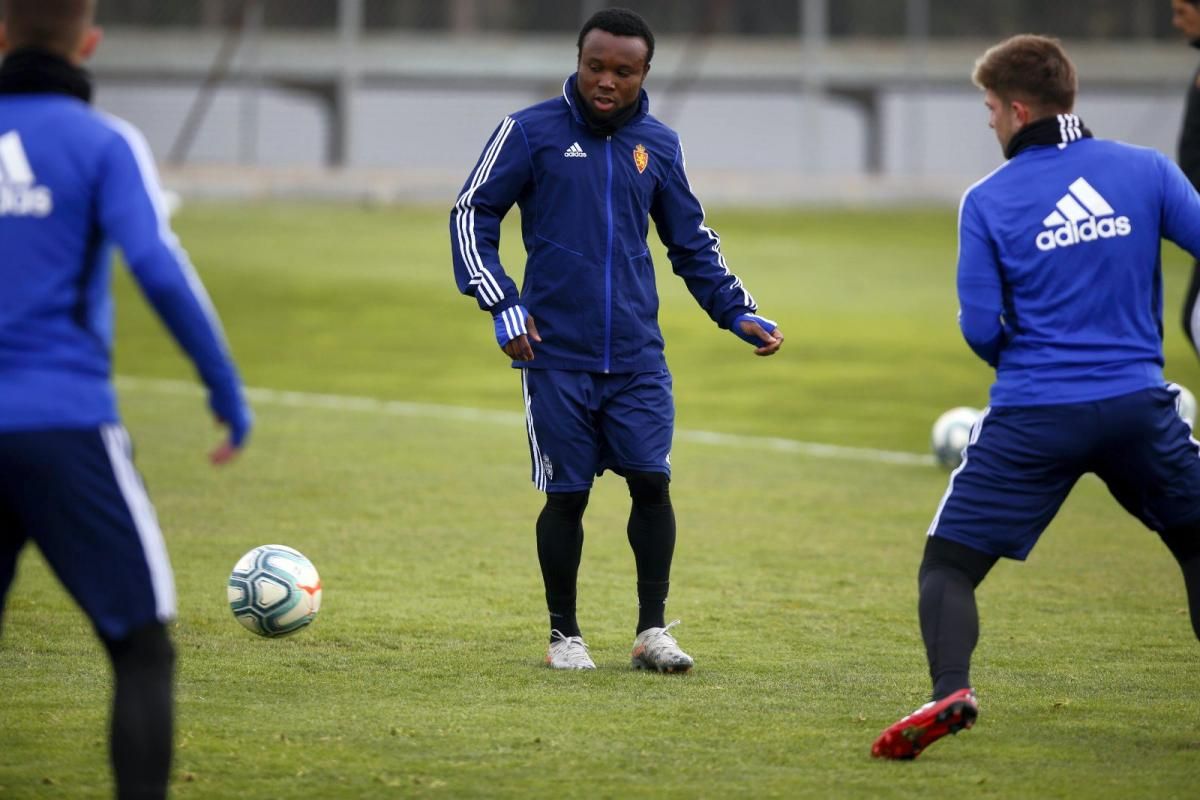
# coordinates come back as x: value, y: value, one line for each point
x: 608, y: 260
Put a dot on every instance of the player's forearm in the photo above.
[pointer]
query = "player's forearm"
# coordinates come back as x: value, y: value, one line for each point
x: 187, y: 313
x: 984, y: 332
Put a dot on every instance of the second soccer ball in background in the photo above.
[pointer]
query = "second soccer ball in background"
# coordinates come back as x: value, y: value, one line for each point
x: 951, y: 432
x: 1185, y: 403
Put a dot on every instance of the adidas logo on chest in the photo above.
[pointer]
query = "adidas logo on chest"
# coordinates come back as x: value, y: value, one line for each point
x: 574, y: 151
x: 19, y: 196
x: 1081, y: 216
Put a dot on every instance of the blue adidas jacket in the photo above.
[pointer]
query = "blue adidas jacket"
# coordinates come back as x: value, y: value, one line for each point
x: 74, y: 182
x: 586, y: 201
x: 1059, y: 269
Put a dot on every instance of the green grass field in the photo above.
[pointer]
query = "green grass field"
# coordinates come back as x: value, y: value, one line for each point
x: 794, y: 574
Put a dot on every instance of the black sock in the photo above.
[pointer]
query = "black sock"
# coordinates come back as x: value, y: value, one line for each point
x: 652, y: 536
x: 949, y: 619
x: 560, y: 546
x: 141, y: 739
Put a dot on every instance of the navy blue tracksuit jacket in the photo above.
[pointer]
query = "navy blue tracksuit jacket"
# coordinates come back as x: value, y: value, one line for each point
x: 586, y: 202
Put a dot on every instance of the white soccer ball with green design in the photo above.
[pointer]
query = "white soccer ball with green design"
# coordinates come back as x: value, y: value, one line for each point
x: 1185, y: 404
x: 951, y: 433
x: 274, y: 590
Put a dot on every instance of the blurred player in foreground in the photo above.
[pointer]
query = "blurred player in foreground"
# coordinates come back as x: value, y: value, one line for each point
x: 589, y: 169
x: 73, y: 182
x: 1185, y: 16
x: 1060, y: 289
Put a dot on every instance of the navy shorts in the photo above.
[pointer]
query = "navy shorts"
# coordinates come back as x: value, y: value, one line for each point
x: 78, y: 497
x: 1021, y: 463
x: 582, y: 423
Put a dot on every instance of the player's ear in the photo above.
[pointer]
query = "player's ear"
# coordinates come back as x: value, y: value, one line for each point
x: 1021, y: 112
x: 91, y: 40
x: 3, y: 37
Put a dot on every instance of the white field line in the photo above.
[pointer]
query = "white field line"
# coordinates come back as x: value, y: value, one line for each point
x: 401, y: 408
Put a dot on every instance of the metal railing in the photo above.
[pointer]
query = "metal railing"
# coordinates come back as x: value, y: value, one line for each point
x: 880, y: 19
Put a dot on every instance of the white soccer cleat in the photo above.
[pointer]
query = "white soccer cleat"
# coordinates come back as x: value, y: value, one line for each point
x: 568, y: 652
x: 656, y: 649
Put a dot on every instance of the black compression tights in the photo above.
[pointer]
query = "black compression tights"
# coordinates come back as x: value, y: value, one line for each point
x: 651, y: 532
x: 949, y: 574
x: 560, y: 546
x: 1184, y: 544
x: 949, y: 619
x: 652, y: 536
x: 140, y: 743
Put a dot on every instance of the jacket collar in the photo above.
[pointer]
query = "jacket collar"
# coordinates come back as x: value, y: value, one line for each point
x: 34, y: 71
x: 1061, y: 130
x: 570, y: 95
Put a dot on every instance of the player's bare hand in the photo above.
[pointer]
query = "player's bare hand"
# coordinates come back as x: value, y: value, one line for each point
x: 520, y: 348
x: 228, y: 449
x: 224, y: 453
x: 771, y: 341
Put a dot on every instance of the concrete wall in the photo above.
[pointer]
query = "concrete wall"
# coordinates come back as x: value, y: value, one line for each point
x: 752, y: 130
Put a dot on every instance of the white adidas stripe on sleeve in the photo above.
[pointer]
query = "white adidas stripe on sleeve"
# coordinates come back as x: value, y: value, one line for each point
x: 487, y: 287
x: 150, y: 183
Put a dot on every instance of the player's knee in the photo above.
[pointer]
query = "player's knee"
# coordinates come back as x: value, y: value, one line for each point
x: 147, y: 650
x: 649, y: 488
x: 570, y: 504
x: 944, y: 554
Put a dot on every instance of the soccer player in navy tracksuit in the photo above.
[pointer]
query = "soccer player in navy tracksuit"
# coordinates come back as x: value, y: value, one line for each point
x: 589, y: 170
x: 1060, y: 289
x: 73, y: 182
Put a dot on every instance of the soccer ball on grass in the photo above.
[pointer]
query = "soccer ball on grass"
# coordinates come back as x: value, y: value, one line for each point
x: 274, y: 590
x: 951, y: 433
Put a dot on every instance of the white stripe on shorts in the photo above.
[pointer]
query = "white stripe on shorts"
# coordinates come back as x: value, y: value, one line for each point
x: 539, y: 472
x: 120, y: 455
x: 972, y: 439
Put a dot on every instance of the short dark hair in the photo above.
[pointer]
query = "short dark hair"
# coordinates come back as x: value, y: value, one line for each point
x: 1029, y: 68
x: 54, y: 25
x: 618, y: 22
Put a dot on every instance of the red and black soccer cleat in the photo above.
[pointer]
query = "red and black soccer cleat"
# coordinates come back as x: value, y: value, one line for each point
x: 907, y: 738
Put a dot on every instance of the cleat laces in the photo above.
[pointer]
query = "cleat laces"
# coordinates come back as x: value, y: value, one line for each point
x: 657, y: 648
x: 568, y: 652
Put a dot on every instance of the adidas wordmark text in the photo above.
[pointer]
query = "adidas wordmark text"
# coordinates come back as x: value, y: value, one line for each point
x: 1082, y: 215
x: 574, y: 151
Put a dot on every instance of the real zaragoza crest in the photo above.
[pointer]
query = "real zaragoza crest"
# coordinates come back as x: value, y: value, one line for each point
x: 641, y: 158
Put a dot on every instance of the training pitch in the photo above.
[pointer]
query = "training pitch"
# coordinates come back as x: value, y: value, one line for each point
x: 390, y: 449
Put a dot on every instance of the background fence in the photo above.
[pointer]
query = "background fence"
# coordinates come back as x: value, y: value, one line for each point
x: 885, y: 19
x: 776, y: 100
